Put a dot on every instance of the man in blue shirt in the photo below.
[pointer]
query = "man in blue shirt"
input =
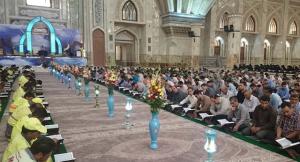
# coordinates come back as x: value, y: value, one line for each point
x: 275, y: 100
x: 283, y: 91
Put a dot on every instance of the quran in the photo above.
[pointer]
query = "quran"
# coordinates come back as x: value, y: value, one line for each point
x: 285, y: 143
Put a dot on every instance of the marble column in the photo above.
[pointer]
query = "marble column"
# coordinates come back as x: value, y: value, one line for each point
x: 234, y: 41
x: 196, y: 46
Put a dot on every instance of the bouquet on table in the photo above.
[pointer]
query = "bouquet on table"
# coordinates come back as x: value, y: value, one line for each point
x: 111, y: 80
x: 155, y: 94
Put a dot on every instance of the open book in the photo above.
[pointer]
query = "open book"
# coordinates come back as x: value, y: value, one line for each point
x: 64, y: 157
x: 187, y: 109
x: 205, y: 115
x: 285, y: 143
x: 175, y: 106
x: 224, y: 122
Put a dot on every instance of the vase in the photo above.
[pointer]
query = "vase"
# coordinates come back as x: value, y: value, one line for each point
x: 154, y: 126
x: 110, y: 102
x: 66, y: 79
x: 87, y: 89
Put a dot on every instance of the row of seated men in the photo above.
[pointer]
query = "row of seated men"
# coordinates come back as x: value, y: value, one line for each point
x: 264, y: 107
x: 265, y: 116
x: 268, y: 68
x: 24, y: 125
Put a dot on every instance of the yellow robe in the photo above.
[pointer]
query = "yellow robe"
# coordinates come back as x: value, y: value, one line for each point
x: 17, y: 144
x: 21, y: 111
x: 17, y: 129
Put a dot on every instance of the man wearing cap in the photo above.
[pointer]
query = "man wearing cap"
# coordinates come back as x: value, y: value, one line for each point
x: 38, y: 112
x: 21, y: 111
x: 31, y: 130
x: 40, y: 151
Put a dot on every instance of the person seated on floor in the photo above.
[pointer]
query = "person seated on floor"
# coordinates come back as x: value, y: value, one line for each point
x: 283, y: 91
x: 257, y: 90
x: 275, y: 100
x: 203, y: 103
x: 140, y: 86
x: 294, y: 100
x: 263, y: 122
x: 182, y: 87
x: 241, y: 90
x: 211, y: 91
x: 220, y: 107
x: 31, y: 130
x: 38, y: 111
x: 239, y: 114
x: 289, y: 125
x: 176, y: 95
x: 250, y: 102
x: 297, y: 87
x: 225, y: 92
x: 19, y: 97
x: 190, y: 101
x: 40, y: 151
x: 21, y: 111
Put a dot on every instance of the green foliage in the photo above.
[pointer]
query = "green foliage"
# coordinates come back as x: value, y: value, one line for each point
x: 155, y: 104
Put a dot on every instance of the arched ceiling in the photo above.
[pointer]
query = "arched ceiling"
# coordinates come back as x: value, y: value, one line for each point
x: 185, y: 8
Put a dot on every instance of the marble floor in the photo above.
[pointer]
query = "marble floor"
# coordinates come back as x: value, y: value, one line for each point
x: 94, y: 137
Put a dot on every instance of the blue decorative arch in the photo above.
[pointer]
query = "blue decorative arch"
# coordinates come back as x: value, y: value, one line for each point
x: 21, y: 48
x: 59, y: 46
x: 28, y: 36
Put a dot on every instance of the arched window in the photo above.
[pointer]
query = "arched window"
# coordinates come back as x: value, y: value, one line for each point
x: 42, y: 3
x: 250, y: 24
x: 273, y: 26
x: 129, y: 11
x: 293, y: 28
x: 224, y: 20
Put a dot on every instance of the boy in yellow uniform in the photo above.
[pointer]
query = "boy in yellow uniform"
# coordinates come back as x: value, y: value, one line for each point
x: 31, y: 130
x: 40, y: 151
x: 21, y: 111
x: 38, y: 112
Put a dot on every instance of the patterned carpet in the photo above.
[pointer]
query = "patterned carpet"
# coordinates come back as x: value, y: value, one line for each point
x: 94, y: 137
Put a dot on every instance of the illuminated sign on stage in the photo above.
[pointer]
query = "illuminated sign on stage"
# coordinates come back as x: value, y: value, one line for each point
x: 54, y: 40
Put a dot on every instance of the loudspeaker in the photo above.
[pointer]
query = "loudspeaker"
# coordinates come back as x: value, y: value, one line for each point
x: 231, y: 28
x: 226, y: 28
x: 191, y: 34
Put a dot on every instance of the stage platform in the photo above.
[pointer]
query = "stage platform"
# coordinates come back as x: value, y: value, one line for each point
x: 39, y: 61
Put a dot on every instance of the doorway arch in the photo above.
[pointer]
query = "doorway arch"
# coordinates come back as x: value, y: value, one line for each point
x: 267, y: 52
x: 244, y: 56
x: 219, y: 46
x: 99, y: 58
x: 125, y: 45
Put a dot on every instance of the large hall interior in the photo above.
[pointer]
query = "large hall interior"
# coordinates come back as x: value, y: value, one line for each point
x: 149, y: 80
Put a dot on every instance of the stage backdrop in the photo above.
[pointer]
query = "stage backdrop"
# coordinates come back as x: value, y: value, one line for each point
x: 10, y: 36
x: 38, y: 61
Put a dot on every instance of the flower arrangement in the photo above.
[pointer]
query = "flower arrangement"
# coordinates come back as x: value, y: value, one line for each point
x: 155, y: 95
x: 111, y: 79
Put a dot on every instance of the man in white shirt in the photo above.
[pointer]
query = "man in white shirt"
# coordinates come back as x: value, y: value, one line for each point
x: 225, y: 92
x: 220, y: 107
x: 191, y: 99
x: 250, y: 102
